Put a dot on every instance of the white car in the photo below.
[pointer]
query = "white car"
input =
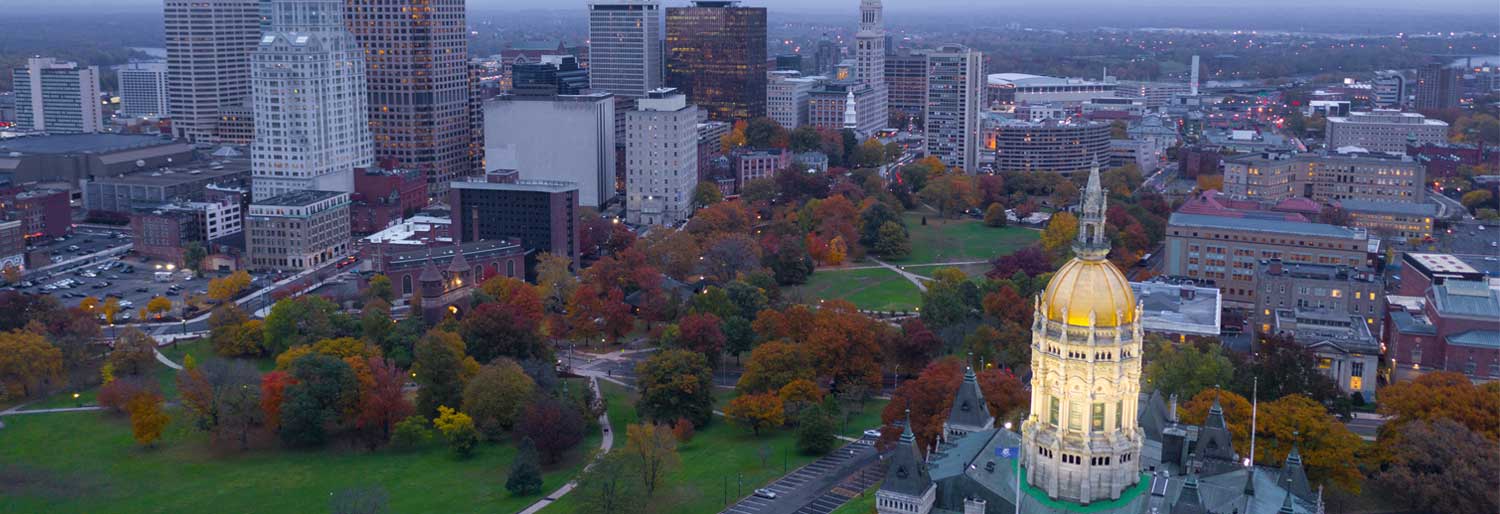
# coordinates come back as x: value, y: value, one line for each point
x: 766, y: 493
x: 872, y: 433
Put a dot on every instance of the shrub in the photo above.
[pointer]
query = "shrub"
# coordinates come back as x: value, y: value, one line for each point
x: 411, y: 433
x: 682, y: 430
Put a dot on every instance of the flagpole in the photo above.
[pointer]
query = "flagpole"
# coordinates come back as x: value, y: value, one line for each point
x: 1254, y: 408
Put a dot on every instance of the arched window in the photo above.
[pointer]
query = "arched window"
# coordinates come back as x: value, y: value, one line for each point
x: 510, y: 268
x: 406, y: 284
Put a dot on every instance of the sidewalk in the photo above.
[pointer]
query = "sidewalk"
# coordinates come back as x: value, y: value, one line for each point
x: 604, y: 446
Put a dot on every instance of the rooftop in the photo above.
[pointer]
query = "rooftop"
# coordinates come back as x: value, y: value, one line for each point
x: 541, y: 186
x: 171, y: 176
x: 1409, y: 209
x: 299, y: 198
x: 1028, y: 80
x: 80, y: 143
x: 1440, y: 263
x: 1178, y: 308
x: 1179, y: 219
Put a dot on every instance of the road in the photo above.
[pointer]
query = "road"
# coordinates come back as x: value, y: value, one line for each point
x: 1365, y: 425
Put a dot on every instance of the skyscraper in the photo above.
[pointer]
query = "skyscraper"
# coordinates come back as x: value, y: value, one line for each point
x: 827, y: 56
x: 209, y: 43
x: 869, y: 61
x: 57, y: 97
x: 1437, y: 87
x: 416, y: 52
x: 955, y: 87
x: 716, y: 55
x: 625, y: 46
x: 906, y: 82
x: 311, y: 106
x: 1086, y: 351
x: 143, y: 89
x: 661, y: 158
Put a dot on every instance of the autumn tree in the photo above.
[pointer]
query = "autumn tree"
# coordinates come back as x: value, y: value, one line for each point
x: 929, y: 398
x: 950, y: 299
x: 228, y: 287
x: 949, y: 193
x: 673, y: 252
x: 552, y: 425
x: 497, y: 397
x: 158, y: 306
x: 27, y: 360
x: 147, y: 419
x: 1442, y: 466
x: 675, y: 384
x: 1327, y: 447
x: 326, y: 387
x: 914, y: 348
x: 894, y: 242
x: 654, y: 452
x: 756, y: 411
x: 458, y: 429
x: 1437, y: 396
x: 702, y: 333
x: 134, y: 353
x: 817, y: 433
x: 234, y: 334
x: 994, y: 216
x: 109, y: 309
x: 509, y: 327
x: 273, y: 387
x: 1004, y: 393
x: 773, y: 365
x: 1060, y: 233
x: 729, y: 255
x: 706, y: 194
x: 845, y: 346
x: 383, y: 403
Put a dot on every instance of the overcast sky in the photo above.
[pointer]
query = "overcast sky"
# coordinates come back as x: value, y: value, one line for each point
x: 1472, y: 6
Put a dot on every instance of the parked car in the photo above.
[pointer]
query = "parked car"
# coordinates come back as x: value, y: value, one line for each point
x: 766, y: 493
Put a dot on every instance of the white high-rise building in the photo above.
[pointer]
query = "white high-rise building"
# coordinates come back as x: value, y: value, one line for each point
x: 566, y: 137
x: 311, y: 118
x: 143, y: 90
x: 661, y: 158
x: 955, y: 90
x: 57, y: 97
x: 209, y: 43
x: 625, y: 55
x: 869, y: 64
x: 786, y: 97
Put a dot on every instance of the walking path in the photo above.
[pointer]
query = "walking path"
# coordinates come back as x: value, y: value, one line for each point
x: 15, y: 412
x: 604, y: 446
x: 915, y: 279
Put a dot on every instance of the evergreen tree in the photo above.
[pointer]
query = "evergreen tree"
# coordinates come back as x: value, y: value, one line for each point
x: 525, y: 474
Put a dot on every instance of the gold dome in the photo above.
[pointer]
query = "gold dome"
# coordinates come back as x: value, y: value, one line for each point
x: 1089, y: 285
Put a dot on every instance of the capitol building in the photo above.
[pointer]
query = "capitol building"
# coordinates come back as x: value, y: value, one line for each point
x: 1092, y: 441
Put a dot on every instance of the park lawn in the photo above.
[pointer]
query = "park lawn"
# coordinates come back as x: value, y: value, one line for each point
x: 961, y: 240
x: 862, y: 504
x: 927, y: 270
x: 87, y: 462
x: 166, y: 378
x: 872, y: 288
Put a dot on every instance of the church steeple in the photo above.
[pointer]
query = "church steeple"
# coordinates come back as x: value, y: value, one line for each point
x: 1092, y: 243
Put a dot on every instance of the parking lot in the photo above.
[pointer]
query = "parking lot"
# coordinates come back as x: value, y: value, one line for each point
x: 83, y: 241
x: 132, y: 279
x: 808, y: 485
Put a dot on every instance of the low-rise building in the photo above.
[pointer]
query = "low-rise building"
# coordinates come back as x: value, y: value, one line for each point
x: 1391, y: 219
x: 1180, y: 308
x: 1334, y: 288
x: 786, y: 97
x: 12, y: 245
x: 384, y: 196
x: 485, y: 259
x: 1421, y: 271
x: 1272, y: 177
x: 145, y: 189
x: 75, y: 157
x: 1228, y: 249
x: 298, y: 231
x: 1384, y: 130
x: 1451, y: 327
x: 757, y: 164
x: 43, y: 213
x: 1346, y: 350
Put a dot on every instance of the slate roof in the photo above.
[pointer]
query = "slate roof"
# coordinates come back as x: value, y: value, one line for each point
x: 907, y: 473
x: 1469, y: 298
x: 1488, y: 339
x: 969, y: 408
x: 1179, y: 219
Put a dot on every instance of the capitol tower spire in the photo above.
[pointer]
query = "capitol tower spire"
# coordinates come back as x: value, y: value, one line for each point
x: 1082, y: 442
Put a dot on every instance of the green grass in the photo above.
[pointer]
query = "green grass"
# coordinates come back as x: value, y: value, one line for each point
x: 875, y: 288
x: 716, y: 457
x: 862, y: 504
x: 961, y: 240
x: 87, y: 462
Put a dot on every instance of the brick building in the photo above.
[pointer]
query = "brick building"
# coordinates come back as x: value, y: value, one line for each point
x: 383, y: 196
x: 43, y: 213
x: 1324, y: 178
x: 1227, y: 249
x: 1451, y: 327
x: 485, y: 259
x: 758, y: 164
x: 298, y: 231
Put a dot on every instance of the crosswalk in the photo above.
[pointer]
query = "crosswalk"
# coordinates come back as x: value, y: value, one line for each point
x: 809, y: 484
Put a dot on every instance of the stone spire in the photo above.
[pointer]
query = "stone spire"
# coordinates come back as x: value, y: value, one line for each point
x: 1286, y: 505
x: 1189, y: 502
x: 907, y: 473
x: 970, y: 413
x: 1092, y: 243
x: 1293, y: 476
x: 851, y: 112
